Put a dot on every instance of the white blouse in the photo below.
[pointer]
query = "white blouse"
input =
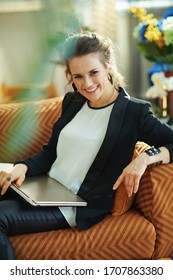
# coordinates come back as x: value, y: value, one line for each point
x: 78, y: 144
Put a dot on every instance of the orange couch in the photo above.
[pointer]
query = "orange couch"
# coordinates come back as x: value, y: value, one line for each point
x: 138, y: 228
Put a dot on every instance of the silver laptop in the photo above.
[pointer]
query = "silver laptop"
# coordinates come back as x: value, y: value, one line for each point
x: 44, y: 191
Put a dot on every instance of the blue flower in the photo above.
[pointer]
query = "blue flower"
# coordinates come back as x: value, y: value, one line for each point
x: 142, y: 31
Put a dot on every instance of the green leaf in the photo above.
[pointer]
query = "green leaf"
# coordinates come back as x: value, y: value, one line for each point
x: 153, y: 53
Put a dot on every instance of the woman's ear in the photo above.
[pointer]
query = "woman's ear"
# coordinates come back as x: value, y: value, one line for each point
x: 110, y: 75
x: 110, y: 78
x: 74, y: 87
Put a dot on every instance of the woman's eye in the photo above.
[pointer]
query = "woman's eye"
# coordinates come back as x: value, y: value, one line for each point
x: 94, y: 72
x: 77, y: 77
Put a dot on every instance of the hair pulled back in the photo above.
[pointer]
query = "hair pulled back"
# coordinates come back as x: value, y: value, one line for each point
x: 80, y: 44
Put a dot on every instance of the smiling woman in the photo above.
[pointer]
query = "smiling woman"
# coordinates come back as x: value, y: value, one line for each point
x: 91, y: 146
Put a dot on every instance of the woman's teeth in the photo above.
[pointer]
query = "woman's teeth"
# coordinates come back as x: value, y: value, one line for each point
x: 91, y: 90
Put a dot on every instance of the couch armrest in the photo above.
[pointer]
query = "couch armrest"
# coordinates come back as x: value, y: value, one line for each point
x: 155, y: 200
x: 26, y: 126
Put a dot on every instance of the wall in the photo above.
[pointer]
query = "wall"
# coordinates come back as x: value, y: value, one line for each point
x: 28, y: 40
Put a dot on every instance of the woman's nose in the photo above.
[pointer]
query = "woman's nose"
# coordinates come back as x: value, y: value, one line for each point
x: 87, y: 82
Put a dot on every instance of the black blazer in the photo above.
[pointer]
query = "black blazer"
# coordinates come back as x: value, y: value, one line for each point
x: 131, y: 120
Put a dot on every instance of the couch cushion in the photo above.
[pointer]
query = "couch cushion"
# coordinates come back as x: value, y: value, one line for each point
x: 155, y: 200
x: 129, y: 236
x: 26, y: 126
x: 122, y: 202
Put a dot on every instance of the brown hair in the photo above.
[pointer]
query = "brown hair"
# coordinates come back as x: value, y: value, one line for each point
x: 85, y: 43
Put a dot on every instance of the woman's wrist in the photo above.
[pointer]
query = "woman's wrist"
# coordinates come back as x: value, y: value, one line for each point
x: 23, y: 166
x: 144, y: 159
x: 155, y: 156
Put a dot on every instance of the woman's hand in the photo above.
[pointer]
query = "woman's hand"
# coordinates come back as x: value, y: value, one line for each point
x: 132, y: 174
x: 17, y: 175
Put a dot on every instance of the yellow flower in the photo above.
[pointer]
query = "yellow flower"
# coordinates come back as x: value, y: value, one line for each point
x: 141, y: 14
x: 153, y: 33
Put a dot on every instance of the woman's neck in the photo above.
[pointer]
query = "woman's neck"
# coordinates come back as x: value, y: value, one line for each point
x: 105, y: 100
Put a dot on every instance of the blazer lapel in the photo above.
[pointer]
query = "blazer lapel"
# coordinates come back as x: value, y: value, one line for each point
x: 113, y: 130
x: 72, y: 110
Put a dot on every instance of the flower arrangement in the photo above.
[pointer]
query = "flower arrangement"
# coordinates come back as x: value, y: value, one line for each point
x: 155, y: 37
x: 161, y: 85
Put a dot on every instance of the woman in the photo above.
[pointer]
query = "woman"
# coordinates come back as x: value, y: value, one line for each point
x: 91, y: 146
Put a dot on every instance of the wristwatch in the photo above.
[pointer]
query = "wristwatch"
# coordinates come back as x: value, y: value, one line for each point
x: 152, y: 152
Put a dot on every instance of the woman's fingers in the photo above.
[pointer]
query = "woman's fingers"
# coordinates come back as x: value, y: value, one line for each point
x: 5, y: 181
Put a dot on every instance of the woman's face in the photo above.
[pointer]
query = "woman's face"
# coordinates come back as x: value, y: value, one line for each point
x: 90, y: 77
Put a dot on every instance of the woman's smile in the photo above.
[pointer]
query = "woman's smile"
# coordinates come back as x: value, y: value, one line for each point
x: 90, y: 77
x: 91, y: 91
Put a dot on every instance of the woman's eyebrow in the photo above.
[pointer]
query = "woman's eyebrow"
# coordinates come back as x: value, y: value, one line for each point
x: 95, y: 69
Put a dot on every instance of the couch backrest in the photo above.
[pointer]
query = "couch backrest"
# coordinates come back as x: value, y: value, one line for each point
x: 26, y: 126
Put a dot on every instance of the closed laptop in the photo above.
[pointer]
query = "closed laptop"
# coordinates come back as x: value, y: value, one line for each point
x: 44, y: 191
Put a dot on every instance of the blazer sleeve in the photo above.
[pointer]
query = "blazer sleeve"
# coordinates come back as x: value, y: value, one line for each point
x: 153, y: 131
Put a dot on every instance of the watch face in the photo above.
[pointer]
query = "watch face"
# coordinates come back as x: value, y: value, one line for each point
x: 152, y: 151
